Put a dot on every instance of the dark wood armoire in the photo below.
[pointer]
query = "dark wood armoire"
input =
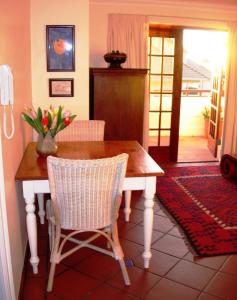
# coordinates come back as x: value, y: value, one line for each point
x: 117, y: 97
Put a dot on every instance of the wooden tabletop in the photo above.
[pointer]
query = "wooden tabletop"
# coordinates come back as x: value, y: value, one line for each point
x: 140, y: 164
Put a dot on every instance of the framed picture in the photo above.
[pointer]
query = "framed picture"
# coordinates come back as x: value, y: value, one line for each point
x: 60, y: 40
x: 61, y: 87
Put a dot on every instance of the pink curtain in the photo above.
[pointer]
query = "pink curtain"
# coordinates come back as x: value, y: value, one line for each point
x: 129, y: 34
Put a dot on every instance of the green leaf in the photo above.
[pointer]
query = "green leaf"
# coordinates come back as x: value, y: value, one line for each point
x: 39, y: 113
x: 50, y: 120
x: 39, y: 126
x: 28, y: 120
x: 59, y: 117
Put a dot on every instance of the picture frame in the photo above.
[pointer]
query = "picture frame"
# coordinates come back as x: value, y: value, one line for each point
x: 60, y: 48
x: 61, y: 87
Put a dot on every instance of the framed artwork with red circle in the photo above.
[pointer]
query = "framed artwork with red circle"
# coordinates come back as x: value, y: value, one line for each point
x: 60, y: 44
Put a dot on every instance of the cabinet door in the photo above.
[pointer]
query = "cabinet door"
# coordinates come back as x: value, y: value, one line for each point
x: 119, y: 100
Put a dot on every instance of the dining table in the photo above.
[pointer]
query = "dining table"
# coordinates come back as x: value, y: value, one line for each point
x: 141, y: 174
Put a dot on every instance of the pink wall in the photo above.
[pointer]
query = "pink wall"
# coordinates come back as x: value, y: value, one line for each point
x: 15, y: 51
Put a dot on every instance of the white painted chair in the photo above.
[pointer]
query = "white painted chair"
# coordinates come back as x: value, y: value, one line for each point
x: 78, y: 130
x: 85, y: 196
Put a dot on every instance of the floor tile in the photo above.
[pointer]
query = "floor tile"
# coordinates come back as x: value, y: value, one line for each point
x: 169, y: 290
x: 106, y: 266
x: 136, y: 215
x: 224, y: 286
x: 191, y: 274
x: 34, y: 289
x: 214, y: 262
x: 107, y: 292
x: 141, y: 282
x: 162, y: 224
x: 131, y: 249
x: 124, y: 227
x: 175, y: 231
x: 161, y: 212
x: 52, y: 296
x: 136, y: 235
x: 42, y: 267
x: 160, y: 263
x: 71, y: 283
x: 230, y: 265
x: 204, y: 296
x: 77, y: 256
x: 171, y: 245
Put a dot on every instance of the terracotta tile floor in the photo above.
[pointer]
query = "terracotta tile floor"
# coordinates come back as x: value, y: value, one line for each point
x: 174, y: 273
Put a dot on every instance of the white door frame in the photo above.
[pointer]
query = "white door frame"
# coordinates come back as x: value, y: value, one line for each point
x: 7, y: 291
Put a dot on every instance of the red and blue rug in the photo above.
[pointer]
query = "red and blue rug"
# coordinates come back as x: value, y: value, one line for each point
x: 204, y: 205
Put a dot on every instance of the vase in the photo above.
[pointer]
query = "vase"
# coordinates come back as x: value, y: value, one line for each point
x: 115, y: 58
x: 46, y: 145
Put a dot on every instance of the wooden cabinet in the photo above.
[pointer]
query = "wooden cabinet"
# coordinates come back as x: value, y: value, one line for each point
x: 117, y: 96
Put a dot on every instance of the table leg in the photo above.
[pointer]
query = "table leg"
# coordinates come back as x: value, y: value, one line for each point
x: 40, y: 197
x: 148, y: 195
x: 127, y: 208
x: 31, y: 223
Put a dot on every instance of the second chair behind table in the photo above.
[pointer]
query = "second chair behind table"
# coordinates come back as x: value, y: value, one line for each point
x: 78, y: 130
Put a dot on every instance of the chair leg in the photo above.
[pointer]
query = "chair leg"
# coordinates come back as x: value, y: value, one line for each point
x: 50, y: 235
x: 127, y: 208
x: 118, y: 251
x: 51, y: 277
x: 124, y: 271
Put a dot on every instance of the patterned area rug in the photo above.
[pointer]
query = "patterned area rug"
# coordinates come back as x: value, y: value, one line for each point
x: 204, y: 205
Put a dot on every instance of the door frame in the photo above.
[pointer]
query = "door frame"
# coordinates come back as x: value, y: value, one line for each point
x: 6, y: 274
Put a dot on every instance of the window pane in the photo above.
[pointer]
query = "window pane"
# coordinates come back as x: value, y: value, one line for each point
x: 156, y: 45
x: 154, y: 120
x: 156, y: 64
x: 155, y: 83
x: 165, y: 120
x: 168, y: 65
x: 169, y: 46
x: 167, y: 84
x: 164, y: 138
x: 167, y: 102
x: 154, y: 102
x: 153, y: 137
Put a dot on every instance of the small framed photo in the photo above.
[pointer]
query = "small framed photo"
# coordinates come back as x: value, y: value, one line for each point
x: 60, y: 44
x: 61, y: 87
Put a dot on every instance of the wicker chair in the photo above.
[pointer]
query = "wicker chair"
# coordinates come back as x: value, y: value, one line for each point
x: 82, y: 130
x: 86, y: 195
x: 78, y: 130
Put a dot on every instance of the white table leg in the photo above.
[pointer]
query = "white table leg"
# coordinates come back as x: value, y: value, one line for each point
x: 41, y: 213
x: 127, y: 208
x: 31, y: 223
x: 148, y: 195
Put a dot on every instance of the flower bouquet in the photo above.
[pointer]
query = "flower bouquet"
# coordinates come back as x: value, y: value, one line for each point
x: 47, y: 124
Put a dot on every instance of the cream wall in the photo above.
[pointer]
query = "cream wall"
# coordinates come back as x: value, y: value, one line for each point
x: 15, y: 51
x: 58, y: 12
x: 206, y: 16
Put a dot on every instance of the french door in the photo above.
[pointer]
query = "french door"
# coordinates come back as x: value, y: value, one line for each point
x: 165, y: 82
x: 215, y: 125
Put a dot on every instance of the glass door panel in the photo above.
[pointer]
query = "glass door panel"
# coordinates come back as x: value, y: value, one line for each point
x: 165, y: 75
